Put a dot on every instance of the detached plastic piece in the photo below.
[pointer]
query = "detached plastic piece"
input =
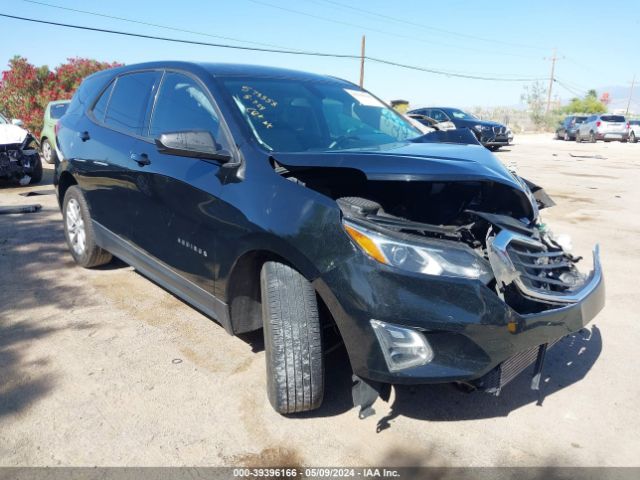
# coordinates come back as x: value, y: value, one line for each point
x: 365, y: 393
x: 20, y: 209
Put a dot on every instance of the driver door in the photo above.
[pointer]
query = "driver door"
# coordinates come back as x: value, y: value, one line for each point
x: 176, y: 197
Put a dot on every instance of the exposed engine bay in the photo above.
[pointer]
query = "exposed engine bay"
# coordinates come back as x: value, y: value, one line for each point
x: 19, y: 160
x: 533, y: 271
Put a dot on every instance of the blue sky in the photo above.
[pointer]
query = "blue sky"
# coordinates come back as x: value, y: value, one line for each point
x: 595, y: 44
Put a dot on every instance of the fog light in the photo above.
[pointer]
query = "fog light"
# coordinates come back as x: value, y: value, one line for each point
x: 402, y: 347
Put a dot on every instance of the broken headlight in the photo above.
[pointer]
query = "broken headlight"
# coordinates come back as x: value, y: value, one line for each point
x: 431, y: 258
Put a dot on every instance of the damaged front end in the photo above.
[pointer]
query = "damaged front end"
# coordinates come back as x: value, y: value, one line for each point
x: 20, y: 162
x: 463, y: 254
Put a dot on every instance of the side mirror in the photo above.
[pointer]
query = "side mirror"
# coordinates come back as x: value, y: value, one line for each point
x: 196, y: 144
x: 17, y: 122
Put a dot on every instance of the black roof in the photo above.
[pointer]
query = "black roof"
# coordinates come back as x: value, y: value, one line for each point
x: 235, y: 69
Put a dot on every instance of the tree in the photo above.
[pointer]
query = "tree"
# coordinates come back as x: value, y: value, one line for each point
x: 588, y: 104
x: 534, y: 96
x: 25, y: 90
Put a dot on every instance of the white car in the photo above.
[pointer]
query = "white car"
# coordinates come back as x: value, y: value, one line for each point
x: 19, y: 158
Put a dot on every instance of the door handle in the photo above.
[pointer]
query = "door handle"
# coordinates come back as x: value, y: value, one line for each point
x: 84, y: 136
x: 141, y: 159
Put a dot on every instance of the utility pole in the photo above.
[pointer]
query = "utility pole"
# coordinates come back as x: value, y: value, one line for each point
x: 362, y: 62
x: 553, y: 67
x: 633, y: 83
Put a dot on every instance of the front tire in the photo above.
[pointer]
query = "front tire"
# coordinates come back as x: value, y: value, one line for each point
x: 78, y: 231
x: 292, y: 338
x: 36, y: 174
x: 48, y: 152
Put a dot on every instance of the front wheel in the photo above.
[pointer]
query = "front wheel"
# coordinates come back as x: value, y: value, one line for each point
x: 36, y: 173
x: 78, y: 231
x: 292, y: 338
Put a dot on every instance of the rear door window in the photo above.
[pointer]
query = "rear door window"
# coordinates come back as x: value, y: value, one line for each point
x: 129, y: 102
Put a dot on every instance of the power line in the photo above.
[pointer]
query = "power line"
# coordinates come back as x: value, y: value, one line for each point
x: 156, y: 25
x: 428, y: 27
x: 269, y: 50
x: 384, y: 32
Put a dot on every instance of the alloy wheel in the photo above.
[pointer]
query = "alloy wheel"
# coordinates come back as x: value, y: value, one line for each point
x: 75, y: 227
x: 46, y: 151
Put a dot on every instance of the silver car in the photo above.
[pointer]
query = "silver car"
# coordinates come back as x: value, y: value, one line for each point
x: 634, y: 130
x: 605, y: 127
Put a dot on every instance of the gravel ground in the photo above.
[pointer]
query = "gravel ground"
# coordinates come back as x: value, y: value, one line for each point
x: 103, y: 367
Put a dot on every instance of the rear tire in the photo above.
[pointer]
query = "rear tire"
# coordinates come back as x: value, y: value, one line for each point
x: 78, y: 231
x: 292, y: 338
x: 48, y: 152
x: 592, y: 137
x: 632, y: 137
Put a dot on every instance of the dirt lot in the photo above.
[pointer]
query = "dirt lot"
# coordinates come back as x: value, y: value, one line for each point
x: 103, y: 367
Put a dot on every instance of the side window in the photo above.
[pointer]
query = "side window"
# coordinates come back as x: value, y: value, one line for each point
x: 100, y: 107
x: 129, y: 101
x: 439, y: 115
x: 182, y: 105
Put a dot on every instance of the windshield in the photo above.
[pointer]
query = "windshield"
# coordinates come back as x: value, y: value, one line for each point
x: 455, y: 113
x: 299, y: 116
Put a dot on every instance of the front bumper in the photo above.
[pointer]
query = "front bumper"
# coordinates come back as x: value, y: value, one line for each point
x: 470, y: 329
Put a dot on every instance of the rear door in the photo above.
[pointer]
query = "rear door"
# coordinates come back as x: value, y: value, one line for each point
x: 107, y: 139
x: 176, y: 197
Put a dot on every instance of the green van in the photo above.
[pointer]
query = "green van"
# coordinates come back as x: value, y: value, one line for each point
x: 52, y: 114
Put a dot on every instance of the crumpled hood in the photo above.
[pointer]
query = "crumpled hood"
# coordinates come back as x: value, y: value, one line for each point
x: 10, y: 134
x: 410, y: 162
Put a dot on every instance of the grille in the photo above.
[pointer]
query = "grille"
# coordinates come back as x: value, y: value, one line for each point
x: 541, y: 269
x: 494, y: 381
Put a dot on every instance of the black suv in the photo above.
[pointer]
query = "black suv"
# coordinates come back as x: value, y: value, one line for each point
x: 302, y: 205
x: 492, y: 135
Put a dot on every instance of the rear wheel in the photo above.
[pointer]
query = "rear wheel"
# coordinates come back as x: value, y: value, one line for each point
x: 78, y: 231
x: 592, y: 137
x: 48, y: 152
x: 292, y: 338
x: 632, y: 137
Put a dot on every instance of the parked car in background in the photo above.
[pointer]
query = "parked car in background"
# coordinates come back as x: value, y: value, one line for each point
x: 634, y: 130
x: 431, y: 122
x: 605, y: 127
x: 19, y: 158
x: 53, y: 113
x: 492, y: 135
x: 568, y: 127
x: 302, y: 205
